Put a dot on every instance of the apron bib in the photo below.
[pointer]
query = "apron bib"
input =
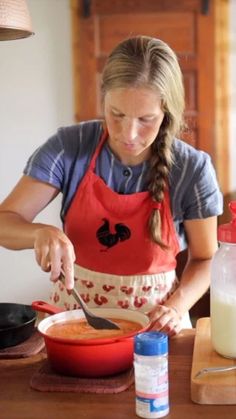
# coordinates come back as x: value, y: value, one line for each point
x: 117, y: 264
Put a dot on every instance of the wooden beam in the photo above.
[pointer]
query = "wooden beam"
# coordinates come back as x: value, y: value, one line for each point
x: 221, y: 12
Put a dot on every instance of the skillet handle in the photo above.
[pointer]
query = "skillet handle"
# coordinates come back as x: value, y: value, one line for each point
x: 44, y: 307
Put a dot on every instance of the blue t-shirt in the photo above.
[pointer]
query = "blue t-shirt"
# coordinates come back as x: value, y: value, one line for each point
x: 63, y: 160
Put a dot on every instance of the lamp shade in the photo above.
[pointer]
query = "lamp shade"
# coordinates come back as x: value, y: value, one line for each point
x: 15, y: 22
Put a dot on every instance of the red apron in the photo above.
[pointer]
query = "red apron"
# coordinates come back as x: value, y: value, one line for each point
x: 117, y: 264
x: 109, y: 230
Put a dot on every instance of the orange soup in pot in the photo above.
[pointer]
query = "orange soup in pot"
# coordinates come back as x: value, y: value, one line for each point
x: 80, y: 329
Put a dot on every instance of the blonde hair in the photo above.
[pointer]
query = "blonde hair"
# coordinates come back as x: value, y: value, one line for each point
x: 142, y: 61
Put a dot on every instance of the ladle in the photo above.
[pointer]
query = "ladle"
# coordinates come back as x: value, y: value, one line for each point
x: 95, y: 321
x: 214, y: 370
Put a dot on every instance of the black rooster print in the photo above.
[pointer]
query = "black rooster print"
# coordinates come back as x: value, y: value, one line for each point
x: 106, y: 238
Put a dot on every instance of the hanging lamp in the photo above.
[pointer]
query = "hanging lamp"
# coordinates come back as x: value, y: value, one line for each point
x: 15, y: 21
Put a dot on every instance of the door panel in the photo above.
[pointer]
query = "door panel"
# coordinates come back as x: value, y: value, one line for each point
x: 166, y: 26
x: 183, y: 25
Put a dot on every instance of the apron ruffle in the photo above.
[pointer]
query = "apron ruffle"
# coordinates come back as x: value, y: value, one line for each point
x: 137, y: 292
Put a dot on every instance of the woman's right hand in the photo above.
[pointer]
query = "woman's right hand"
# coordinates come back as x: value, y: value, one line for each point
x: 55, y: 253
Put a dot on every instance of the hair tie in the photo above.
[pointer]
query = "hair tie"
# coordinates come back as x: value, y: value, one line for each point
x: 156, y: 205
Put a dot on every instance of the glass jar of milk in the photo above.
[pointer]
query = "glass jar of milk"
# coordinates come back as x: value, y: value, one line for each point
x: 223, y: 290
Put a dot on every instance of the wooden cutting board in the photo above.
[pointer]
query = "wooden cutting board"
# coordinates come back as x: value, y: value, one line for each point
x: 217, y: 388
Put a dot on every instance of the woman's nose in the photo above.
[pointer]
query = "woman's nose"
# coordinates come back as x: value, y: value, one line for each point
x: 130, y: 129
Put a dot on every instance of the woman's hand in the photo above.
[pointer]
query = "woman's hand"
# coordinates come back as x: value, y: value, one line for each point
x: 55, y: 253
x: 165, y: 319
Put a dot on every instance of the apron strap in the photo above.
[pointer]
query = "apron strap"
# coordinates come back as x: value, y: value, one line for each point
x: 101, y: 142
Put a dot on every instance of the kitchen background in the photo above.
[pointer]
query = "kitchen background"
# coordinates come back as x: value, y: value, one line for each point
x: 36, y: 87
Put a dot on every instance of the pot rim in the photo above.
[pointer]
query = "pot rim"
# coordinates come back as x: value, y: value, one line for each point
x: 127, y: 314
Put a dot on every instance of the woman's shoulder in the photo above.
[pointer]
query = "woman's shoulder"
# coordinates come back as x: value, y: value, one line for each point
x: 193, y: 182
x: 188, y: 162
x: 65, y: 154
x: 87, y: 128
x: 81, y: 137
x: 183, y: 152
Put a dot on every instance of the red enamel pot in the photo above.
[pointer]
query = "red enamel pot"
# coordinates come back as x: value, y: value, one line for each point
x: 89, y: 357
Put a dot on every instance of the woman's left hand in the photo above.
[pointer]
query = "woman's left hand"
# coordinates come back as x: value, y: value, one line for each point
x: 165, y: 319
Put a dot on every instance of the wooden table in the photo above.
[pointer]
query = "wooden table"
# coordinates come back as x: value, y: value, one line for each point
x: 19, y: 401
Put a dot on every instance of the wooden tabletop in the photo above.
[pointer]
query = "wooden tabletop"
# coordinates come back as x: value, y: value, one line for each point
x: 19, y: 401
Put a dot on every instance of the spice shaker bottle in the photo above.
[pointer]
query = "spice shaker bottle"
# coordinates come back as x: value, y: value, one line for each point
x: 223, y: 289
x: 151, y: 374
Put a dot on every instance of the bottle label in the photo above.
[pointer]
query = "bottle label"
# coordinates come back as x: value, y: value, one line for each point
x: 152, y: 405
x: 152, y: 389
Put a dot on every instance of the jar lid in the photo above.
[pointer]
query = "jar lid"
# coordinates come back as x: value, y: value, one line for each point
x: 227, y: 232
x: 151, y: 343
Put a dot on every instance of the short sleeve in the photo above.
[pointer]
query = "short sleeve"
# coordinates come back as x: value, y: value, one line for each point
x: 46, y: 163
x: 203, y: 197
x: 194, y: 189
x: 64, y: 158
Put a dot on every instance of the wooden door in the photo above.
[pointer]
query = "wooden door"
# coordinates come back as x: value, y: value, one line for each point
x: 188, y: 26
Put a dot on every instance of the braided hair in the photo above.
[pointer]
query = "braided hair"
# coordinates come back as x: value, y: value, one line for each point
x: 142, y: 61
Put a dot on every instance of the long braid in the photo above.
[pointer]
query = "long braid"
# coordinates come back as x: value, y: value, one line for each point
x: 160, y: 163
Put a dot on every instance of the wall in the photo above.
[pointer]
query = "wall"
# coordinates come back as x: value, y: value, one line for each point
x: 232, y: 126
x: 36, y: 98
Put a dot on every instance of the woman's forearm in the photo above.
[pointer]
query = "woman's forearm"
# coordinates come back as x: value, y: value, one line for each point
x: 194, y: 282
x: 17, y: 212
x: 15, y: 232
x: 53, y: 250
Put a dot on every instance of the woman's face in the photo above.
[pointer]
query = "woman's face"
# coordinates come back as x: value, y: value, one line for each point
x: 133, y: 117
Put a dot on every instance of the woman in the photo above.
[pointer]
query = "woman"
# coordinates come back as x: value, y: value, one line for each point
x: 133, y: 196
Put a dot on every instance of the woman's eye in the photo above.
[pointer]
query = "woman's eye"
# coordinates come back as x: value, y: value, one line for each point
x: 117, y: 115
x: 145, y: 119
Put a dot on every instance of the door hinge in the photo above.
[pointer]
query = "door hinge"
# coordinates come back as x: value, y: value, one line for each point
x: 86, y: 8
x: 205, y: 7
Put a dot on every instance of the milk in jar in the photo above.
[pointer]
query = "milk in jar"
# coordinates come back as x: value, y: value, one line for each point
x: 223, y: 322
x: 223, y: 290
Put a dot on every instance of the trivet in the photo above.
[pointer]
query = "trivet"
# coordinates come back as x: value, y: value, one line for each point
x: 45, y: 379
x: 32, y: 346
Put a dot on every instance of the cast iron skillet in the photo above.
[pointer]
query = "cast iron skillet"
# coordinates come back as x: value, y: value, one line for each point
x: 16, y: 323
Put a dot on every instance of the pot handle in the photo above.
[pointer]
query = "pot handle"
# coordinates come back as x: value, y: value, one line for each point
x: 44, y: 307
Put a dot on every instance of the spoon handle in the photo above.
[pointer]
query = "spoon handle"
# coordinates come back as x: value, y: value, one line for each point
x: 79, y: 300
x: 214, y: 370
x: 74, y: 293
x: 95, y: 321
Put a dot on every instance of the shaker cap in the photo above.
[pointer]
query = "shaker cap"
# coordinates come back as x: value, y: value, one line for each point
x: 227, y: 232
x: 151, y: 343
